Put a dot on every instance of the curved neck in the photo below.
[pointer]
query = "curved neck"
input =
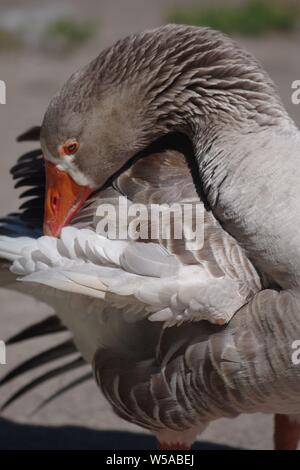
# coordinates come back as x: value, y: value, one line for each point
x: 251, y: 182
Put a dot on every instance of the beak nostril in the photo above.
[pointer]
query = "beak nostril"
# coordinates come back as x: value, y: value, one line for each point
x: 63, y: 199
x: 54, y: 202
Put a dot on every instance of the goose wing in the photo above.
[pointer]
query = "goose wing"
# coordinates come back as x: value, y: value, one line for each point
x: 123, y: 282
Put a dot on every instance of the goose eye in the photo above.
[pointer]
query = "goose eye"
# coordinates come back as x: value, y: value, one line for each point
x: 71, y: 147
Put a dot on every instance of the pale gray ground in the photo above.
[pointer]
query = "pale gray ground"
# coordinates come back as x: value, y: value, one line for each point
x: 32, y: 78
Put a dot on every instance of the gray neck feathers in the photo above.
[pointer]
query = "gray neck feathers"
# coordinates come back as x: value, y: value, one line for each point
x: 182, y: 77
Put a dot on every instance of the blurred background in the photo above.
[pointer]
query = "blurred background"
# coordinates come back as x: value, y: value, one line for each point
x: 41, y: 44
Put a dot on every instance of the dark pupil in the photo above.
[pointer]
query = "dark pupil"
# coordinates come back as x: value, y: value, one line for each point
x: 72, y: 148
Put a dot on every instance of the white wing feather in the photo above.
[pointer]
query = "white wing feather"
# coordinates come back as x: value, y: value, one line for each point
x: 86, y: 263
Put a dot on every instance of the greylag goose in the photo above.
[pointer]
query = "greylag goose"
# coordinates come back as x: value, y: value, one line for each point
x: 192, y: 92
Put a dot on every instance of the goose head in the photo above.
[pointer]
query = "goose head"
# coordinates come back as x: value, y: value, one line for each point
x: 192, y: 83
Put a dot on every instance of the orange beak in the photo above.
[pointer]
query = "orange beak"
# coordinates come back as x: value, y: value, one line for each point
x: 64, y: 198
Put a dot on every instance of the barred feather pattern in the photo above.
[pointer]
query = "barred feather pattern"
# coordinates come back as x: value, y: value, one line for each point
x: 202, y: 372
x: 182, y: 70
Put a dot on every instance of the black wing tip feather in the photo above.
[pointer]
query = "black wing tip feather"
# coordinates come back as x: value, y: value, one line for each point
x: 29, y: 174
x: 49, y: 325
x: 32, y: 134
x: 55, y: 352
x: 69, y: 366
x: 70, y: 386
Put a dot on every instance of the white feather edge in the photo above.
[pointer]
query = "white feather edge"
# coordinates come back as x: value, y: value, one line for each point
x: 86, y: 263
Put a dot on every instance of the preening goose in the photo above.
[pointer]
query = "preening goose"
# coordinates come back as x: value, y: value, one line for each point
x: 105, y: 306
x: 150, y: 96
